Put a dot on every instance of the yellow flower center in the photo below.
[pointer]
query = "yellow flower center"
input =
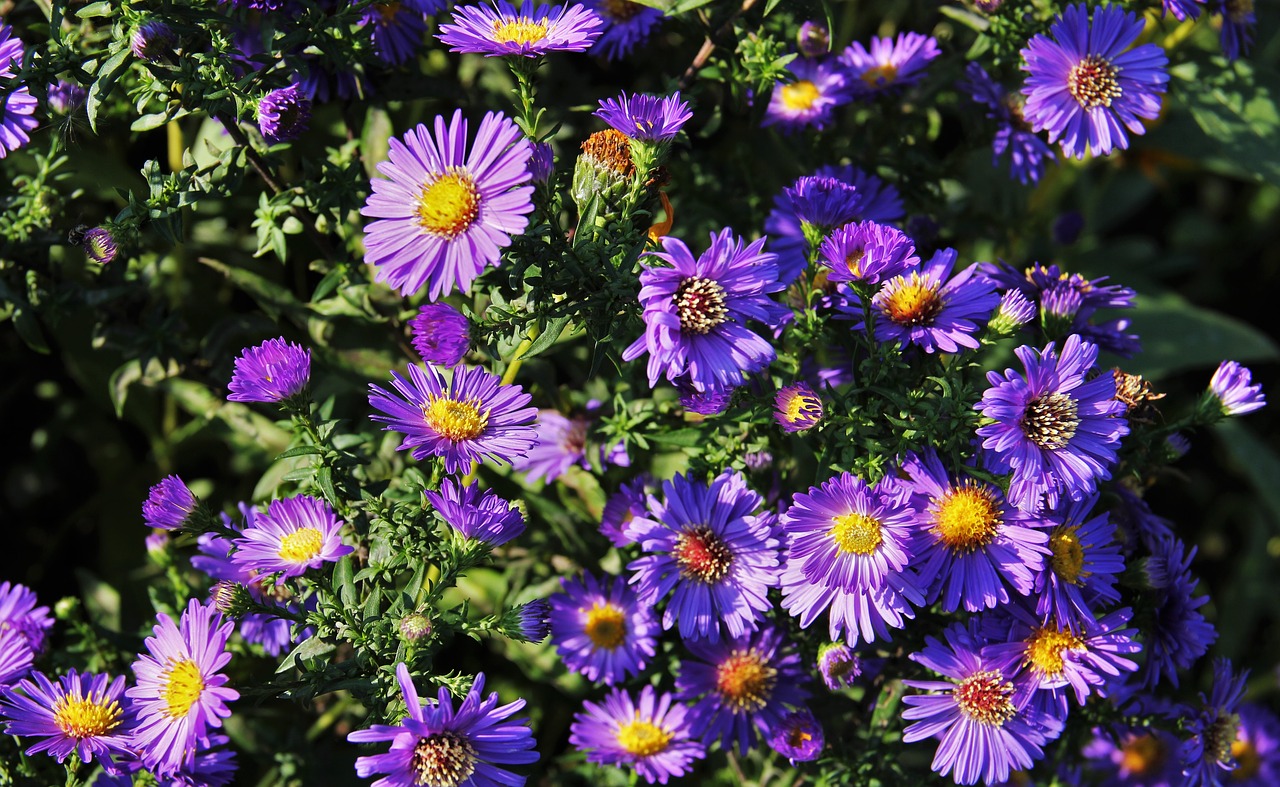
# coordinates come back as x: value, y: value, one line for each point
x: 518, y: 30
x: 702, y: 555
x: 301, y: 546
x: 642, y: 738
x: 856, y: 533
x: 1248, y: 761
x: 606, y: 626
x: 1067, y: 558
x: 880, y: 75
x: 449, y: 204
x: 455, y: 420
x: 745, y: 681
x: 1092, y: 82
x: 799, y: 96
x: 967, y: 518
x: 79, y: 717
x: 911, y: 301
x: 183, y: 685
x: 1142, y: 755
x: 1046, y: 646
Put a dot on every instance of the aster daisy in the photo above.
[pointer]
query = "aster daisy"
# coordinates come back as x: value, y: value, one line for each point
x: 601, y: 629
x: 17, y: 107
x: 1179, y: 634
x: 19, y: 613
x: 890, y: 63
x: 930, y: 308
x: 562, y: 443
x: 470, y: 418
x: 273, y: 371
x: 1055, y: 429
x: 629, y: 502
x: 1027, y: 152
x: 181, y: 695
x: 81, y: 714
x: 16, y: 656
x: 1207, y: 754
x: 437, y: 745
x: 153, y: 40
x: 972, y: 544
x: 100, y: 245
x: 860, y: 615
x: 1233, y: 390
x: 1084, y: 88
x: 983, y: 734
x: 712, y: 548
x: 481, y: 515
x: 169, y: 505
x: 809, y: 96
x: 1134, y: 757
x: 1083, y: 564
x: 695, y: 312
x: 283, y: 114
x: 441, y: 334
x: 530, y: 31
x: 876, y: 201
x: 798, y: 737
x: 838, y: 665
x: 1238, y: 18
x: 651, y: 734
x: 797, y: 407
x: 443, y: 214
x: 867, y: 251
x: 645, y: 118
x: 747, y: 686
x: 627, y: 25
x: 294, y: 535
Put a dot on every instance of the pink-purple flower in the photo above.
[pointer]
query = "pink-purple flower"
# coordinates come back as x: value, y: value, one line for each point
x: 652, y: 734
x: 530, y: 31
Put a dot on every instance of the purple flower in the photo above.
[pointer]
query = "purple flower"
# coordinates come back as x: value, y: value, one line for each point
x: 602, y: 630
x: 652, y: 735
x: 629, y: 502
x: 810, y: 97
x: 838, y: 665
x: 1238, y: 20
x: 709, y: 402
x: 295, y: 534
x: 751, y: 681
x: 708, y: 544
x: 531, y: 31
x: 1182, y: 9
x: 211, y: 766
x: 283, y: 114
x: 627, y: 25
x: 867, y: 252
x: 813, y: 39
x: 65, y: 97
x: 472, y: 418
x: 1207, y: 754
x: 858, y: 615
x: 891, y: 63
x: 398, y: 28
x: 1140, y: 757
x: 169, y: 505
x: 798, y: 737
x: 1027, y: 152
x: 16, y: 656
x: 1179, y: 634
x: 645, y: 118
x: 542, y: 162
x: 1084, y: 89
x: 1056, y: 430
x: 443, y: 214
x: 475, y: 514
x: 973, y: 545
x: 1083, y: 565
x: 19, y: 613
x: 877, y: 201
x: 18, y: 107
x: 1045, y: 657
x: 436, y: 745
x: 181, y: 695
x: 273, y: 371
x: 797, y: 408
x: 983, y: 733
x: 695, y: 312
x: 81, y: 713
x: 528, y: 622
x: 1230, y: 385
x: 562, y: 443
x: 1013, y: 312
x: 1256, y: 748
x: 100, y: 245
x: 441, y: 334
x: 932, y: 309
x: 153, y: 40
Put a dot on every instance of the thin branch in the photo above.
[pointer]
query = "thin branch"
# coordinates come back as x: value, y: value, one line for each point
x: 709, y: 46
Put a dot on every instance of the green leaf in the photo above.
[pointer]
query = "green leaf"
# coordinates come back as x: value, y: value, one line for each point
x: 309, y: 650
x: 1177, y: 336
x: 1235, y: 105
x: 28, y: 327
x: 682, y: 438
x: 108, y: 73
x: 272, y: 297
x: 550, y: 334
x: 95, y: 10
x: 301, y: 450
x: 149, y: 121
x: 344, y: 580
x: 1258, y: 461
x: 121, y: 379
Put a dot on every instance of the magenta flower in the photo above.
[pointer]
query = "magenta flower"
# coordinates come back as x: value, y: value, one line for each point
x: 601, y: 629
x: 531, y: 31
x: 273, y: 371
x: 80, y: 714
x: 294, y: 535
x: 645, y: 118
x: 890, y: 64
x: 653, y: 735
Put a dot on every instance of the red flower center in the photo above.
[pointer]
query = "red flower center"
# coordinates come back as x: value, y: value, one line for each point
x: 702, y: 555
x: 700, y: 303
x: 1092, y: 82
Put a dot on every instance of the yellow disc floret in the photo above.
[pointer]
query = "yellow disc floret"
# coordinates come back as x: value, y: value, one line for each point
x: 449, y: 204
x: 518, y: 30
x: 799, y: 96
x: 80, y: 717
x: 966, y: 518
x: 643, y: 738
x: 856, y: 533
x: 301, y: 546
x: 183, y: 685
x: 454, y: 419
x: 606, y: 626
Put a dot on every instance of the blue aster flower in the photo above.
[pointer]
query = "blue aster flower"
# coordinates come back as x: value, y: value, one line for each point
x: 1208, y: 759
